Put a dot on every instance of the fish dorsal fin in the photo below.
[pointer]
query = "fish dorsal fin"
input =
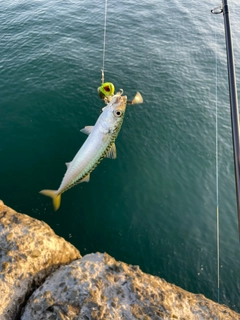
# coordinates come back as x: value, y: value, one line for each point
x: 67, y: 164
x: 87, y: 129
x: 112, y: 153
x: 85, y: 179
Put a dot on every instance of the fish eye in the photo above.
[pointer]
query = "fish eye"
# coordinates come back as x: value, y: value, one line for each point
x: 117, y: 113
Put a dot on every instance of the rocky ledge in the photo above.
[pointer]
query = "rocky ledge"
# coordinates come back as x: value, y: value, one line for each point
x: 44, y: 277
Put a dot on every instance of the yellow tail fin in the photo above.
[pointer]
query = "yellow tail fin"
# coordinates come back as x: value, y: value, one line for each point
x: 53, y: 194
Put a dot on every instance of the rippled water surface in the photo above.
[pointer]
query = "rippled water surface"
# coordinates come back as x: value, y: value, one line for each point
x: 155, y: 205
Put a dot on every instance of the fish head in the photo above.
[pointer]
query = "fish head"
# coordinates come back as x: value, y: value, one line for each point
x: 113, y: 114
x: 118, y: 106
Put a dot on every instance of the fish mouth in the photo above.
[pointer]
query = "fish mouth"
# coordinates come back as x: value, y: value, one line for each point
x: 119, y: 103
x: 119, y: 98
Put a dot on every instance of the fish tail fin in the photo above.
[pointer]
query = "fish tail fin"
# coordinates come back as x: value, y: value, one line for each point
x: 55, y: 197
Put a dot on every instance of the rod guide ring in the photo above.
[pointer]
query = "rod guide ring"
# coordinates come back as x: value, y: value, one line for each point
x: 217, y: 10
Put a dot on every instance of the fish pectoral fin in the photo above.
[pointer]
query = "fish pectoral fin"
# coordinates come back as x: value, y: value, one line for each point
x: 67, y: 164
x: 112, y: 153
x: 87, y: 129
x: 85, y: 179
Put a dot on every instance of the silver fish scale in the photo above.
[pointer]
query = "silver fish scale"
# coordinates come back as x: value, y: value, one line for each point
x: 113, y: 137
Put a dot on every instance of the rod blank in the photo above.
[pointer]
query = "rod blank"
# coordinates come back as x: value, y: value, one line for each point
x: 233, y: 103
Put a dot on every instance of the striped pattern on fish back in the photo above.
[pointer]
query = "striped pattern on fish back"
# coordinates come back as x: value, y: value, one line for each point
x: 112, y: 137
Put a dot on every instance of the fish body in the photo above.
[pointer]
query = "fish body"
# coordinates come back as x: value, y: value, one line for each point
x: 99, y: 144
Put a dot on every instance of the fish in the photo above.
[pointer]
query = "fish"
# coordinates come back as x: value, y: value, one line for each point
x: 99, y: 144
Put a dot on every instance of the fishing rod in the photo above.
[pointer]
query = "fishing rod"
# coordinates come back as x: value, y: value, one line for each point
x: 233, y: 99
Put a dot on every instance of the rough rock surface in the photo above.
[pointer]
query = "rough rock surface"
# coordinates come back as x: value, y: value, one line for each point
x: 99, y: 287
x: 29, y: 252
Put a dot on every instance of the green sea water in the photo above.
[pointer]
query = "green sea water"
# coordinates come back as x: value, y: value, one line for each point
x: 155, y: 205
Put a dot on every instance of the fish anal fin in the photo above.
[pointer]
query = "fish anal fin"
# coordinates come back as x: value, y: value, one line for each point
x: 67, y: 164
x: 87, y: 130
x: 112, y: 153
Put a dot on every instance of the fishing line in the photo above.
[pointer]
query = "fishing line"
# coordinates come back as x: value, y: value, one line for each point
x: 104, y: 39
x: 217, y: 11
x: 217, y: 174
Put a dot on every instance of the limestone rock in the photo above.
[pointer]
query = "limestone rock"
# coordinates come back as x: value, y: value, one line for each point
x: 99, y: 287
x: 29, y: 252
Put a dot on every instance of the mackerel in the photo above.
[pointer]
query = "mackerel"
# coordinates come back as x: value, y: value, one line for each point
x: 99, y: 144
